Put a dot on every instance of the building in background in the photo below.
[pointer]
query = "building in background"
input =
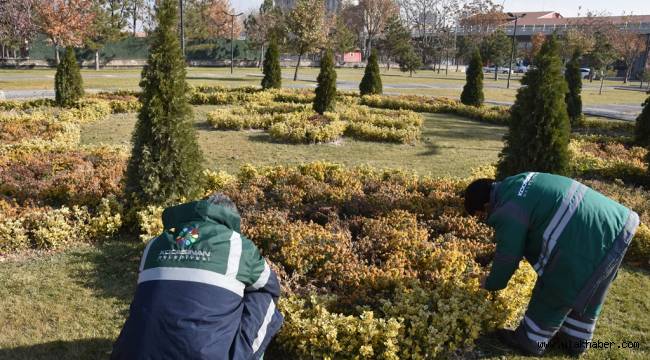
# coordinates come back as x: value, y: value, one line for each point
x: 331, y: 5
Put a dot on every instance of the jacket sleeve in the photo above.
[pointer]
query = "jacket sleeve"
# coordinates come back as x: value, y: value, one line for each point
x: 260, y: 275
x: 510, y: 223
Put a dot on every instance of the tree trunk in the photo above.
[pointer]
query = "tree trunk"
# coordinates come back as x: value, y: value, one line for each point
x: 135, y: 17
x: 96, y: 60
x: 496, y: 72
x: 591, y: 74
x: 411, y: 73
x: 446, y: 62
x: 295, y: 74
x: 261, y: 63
x: 602, y: 80
x: 627, y: 74
x: 56, y: 54
x: 457, y: 64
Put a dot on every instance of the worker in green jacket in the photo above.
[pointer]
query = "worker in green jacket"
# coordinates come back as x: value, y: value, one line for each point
x: 575, y: 239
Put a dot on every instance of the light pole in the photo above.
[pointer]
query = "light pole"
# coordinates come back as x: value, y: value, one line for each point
x: 514, y: 40
x: 232, y: 37
x: 180, y: 4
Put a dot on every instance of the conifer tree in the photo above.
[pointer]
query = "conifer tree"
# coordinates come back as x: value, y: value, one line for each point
x: 68, y: 84
x: 272, y: 73
x: 642, y: 130
x: 326, y: 89
x: 473, y: 90
x: 371, y: 82
x: 573, y: 99
x: 165, y: 163
x: 538, y: 137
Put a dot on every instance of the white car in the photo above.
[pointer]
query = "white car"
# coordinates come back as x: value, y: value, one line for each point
x: 502, y: 69
x: 585, y: 72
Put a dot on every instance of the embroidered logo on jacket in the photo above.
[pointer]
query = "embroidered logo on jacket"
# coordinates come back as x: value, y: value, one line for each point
x: 187, y: 236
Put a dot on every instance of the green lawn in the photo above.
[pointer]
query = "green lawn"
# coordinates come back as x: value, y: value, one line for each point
x: 450, y: 145
x: 424, y: 82
x: 71, y: 305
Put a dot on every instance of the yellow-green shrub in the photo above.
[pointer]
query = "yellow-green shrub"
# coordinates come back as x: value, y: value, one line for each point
x: 306, y: 128
x: 311, y: 331
x: 13, y: 235
x: 639, y: 250
x: 150, y: 222
x: 607, y: 159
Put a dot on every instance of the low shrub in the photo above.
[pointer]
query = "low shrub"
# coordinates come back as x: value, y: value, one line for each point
x: 639, y: 251
x: 329, y: 335
x: 23, y: 227
x: 495, y: 114
x: 8, y: 105
x: 607, y: 159
x: 369, y: 132
x: 80, y: 177
x: 296, y: 123
x: 304, y: 128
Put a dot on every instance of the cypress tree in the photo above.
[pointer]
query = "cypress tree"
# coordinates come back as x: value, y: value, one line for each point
x: 473, y: 90
x: 165, y: 163
x: 538, y: 137
x: 573, y: 99
x: 68, y: 84
x: 371, y: 82
x: 326, y: 89
x: 642, y: 130
x: 272, y: 73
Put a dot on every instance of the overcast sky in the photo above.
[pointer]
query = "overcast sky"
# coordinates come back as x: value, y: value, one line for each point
x: 564, y: 7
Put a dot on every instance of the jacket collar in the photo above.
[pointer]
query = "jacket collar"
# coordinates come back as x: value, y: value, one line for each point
x: 201, y: 210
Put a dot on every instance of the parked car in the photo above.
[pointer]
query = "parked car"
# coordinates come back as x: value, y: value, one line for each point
x: 585, y: 72
x: 501, y: 70
x: 521, y: 69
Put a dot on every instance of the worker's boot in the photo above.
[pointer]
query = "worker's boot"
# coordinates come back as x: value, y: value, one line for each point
x: 518, y: 340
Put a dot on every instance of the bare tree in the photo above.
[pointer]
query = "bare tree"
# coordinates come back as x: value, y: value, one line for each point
x: 308, y: 27
x: 375, y: 14
x: 17, y: 24
x: 66, y: 22
x: 629, y: 46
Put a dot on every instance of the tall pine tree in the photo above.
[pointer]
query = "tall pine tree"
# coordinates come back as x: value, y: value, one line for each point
x: 272, y: 73
x: 165, y: 163
x: 573, y: 99
x: 371, y: 82
x: 326, y: 89
x: 538, y: 137
x: 473, y: 90
x: 642, y: 130
x: 68, y: 84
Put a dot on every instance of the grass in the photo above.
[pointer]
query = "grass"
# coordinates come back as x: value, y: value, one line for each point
x: 72, y: 304
x: 450, y: 145
x: 425, y: 82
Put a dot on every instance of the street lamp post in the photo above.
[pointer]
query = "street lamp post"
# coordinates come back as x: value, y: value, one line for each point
x: 180, y: 4
x: 232, y: 38
x: 514, y: 40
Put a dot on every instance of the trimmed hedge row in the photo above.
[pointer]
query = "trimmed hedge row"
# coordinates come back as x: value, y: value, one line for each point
x: 296, y: 123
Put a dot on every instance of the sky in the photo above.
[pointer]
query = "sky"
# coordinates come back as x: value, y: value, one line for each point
x: 564, y: 7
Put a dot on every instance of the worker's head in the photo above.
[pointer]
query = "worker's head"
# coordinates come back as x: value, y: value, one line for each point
x: 477, y: 197
x: 221, y: 199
